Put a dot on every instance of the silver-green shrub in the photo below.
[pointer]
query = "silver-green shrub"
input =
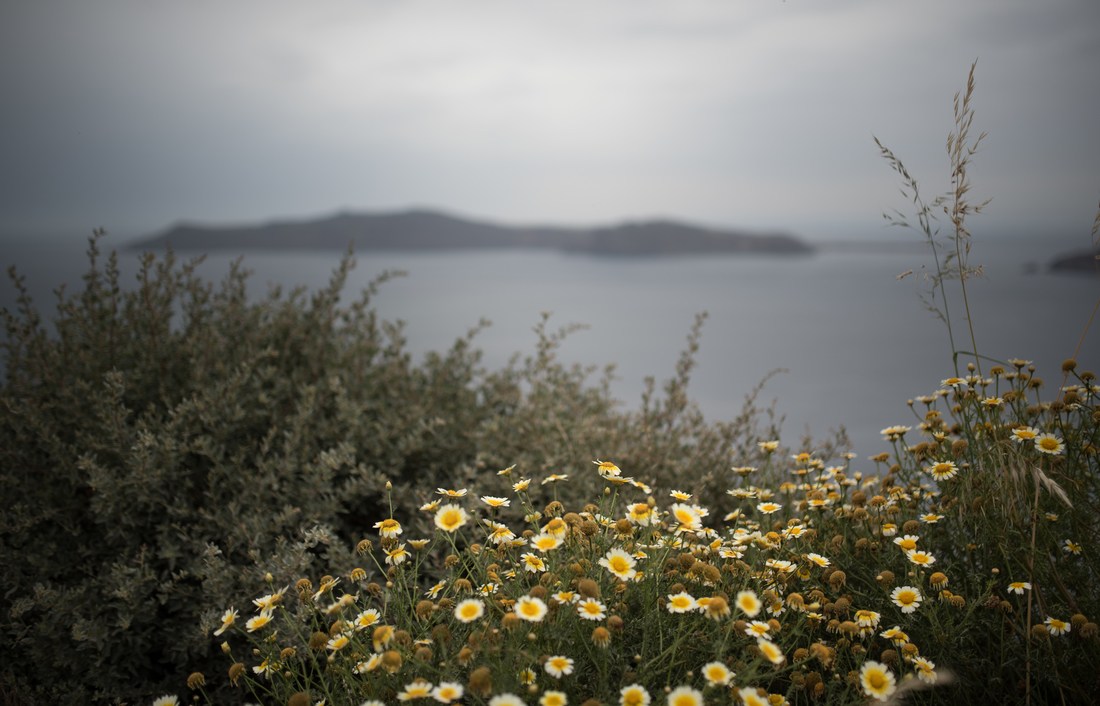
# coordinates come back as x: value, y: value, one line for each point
x: 166, y: 443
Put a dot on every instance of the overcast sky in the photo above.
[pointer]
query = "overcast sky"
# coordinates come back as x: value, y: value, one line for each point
x: 136, y: 115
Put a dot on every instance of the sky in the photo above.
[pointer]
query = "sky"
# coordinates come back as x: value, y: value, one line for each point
x: 134, y: 116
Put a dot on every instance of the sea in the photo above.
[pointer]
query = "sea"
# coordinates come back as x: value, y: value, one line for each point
x: 841, y: 336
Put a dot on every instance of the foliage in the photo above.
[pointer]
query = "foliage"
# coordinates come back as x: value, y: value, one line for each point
x: 166, y: 444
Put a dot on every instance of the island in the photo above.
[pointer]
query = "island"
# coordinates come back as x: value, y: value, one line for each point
x: 423, y: 230
x: 1082, y: 262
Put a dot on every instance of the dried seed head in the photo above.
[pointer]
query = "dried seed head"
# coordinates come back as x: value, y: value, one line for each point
x: 317, y: 641
x: 481, y: 681
x: 588, y: 588
x: 299, y: 698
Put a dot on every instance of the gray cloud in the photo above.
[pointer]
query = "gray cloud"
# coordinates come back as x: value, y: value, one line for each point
x: 137, y: 114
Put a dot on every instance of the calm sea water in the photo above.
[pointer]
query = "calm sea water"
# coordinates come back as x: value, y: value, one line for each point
x: 855, y: 343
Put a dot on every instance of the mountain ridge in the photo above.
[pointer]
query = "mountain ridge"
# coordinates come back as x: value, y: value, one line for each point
x: 425, y: 229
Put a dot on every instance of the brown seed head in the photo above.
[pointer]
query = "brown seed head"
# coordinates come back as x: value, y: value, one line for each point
x: 481, y: 682
x: 588, y: 588
x: 318, y: 640
x: 299, y: 698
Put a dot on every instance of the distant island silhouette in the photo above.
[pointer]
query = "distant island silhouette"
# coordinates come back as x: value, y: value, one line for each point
x: 1085, y: 262
x: 422, y: 230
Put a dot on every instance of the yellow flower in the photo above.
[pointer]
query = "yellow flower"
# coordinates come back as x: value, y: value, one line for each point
x: 530, y: 608
x: 867, y: 618
x: 450, y: 517
x: 228, y: 618
x: 461, y: 492
x: 533, y: 563
x: 373, y: 663
x: 417, y: 689
x: 607, y: 468
x: 167, y: 700
x: 447, y: 692
x: 895, y: 432
x: 493, y: 501
x: 818, y: 559
x: 926, y: 669
x: 1019, y: 587
x: 750, y: 697
x: 338, y: 643
x: 558, y: 666
x: 1057, y: 627
x: 895, y: 635
x: 680, y: 495
x: 564, y: 597
x: 506, y: 700
x: 553, y: 698
x: 748, y: 603
x: 259, y: 621
x: 397, y: 555
x: 907, y: 598
x: 521, y: 485
x: 716, y: 608
x: 545, y: 541
x: 877, y: 680
x: 381, y: 637
x: 591, y: 609
x: 269, y: 601
x: 685, y: 696
x: 717, y: 673
x: 768, y: 446
x: 689, y: 516
x: 640, y: 514
x: 920, y: 558
x: 769, y: 508
x: 469, y: 610
x: 1049, y: 444
x: 758, y: 628
x: 388, y: 527
x: 554, y: 478
x: 634, y: 695
x: 1020, y: 434
x: 681, y: 603
x: 942, y: 470
x: 620, y: 564
x: 367, y: 618
x: 770, y: 650
x: 907, y: 542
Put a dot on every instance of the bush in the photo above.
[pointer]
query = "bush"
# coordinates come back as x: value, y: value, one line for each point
x: 170, y: 443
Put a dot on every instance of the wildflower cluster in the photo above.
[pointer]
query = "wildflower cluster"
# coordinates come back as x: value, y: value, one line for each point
x: 824, y: 583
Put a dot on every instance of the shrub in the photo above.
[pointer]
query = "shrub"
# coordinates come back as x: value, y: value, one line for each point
x: 169, y: 443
